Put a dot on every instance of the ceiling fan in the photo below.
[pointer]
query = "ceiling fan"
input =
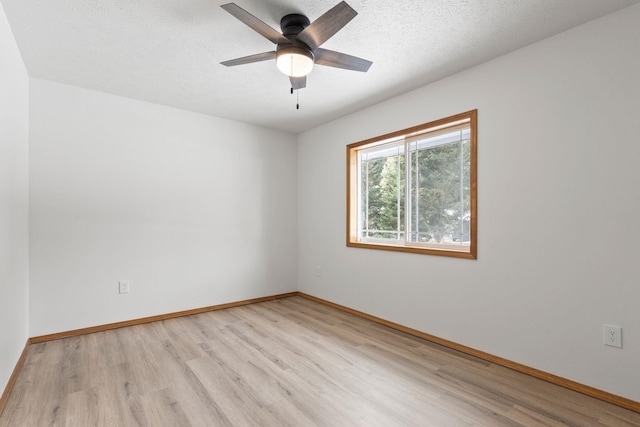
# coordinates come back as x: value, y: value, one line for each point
x: 298, y: 47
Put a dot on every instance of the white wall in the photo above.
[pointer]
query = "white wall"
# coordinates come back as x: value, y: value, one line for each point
x: 558, y: 201
x: 14, y: 250
x: 193, y: 210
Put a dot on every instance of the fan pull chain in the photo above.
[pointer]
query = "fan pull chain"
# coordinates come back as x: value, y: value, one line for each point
x: 297, y: 98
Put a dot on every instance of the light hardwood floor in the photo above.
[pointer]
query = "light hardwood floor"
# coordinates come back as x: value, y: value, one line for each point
x: 287, y: 362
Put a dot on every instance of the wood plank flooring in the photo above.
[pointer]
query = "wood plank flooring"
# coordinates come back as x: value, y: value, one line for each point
x: 287, y: 362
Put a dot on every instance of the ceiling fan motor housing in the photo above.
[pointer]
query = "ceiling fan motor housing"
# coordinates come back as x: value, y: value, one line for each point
x: 292, y: 24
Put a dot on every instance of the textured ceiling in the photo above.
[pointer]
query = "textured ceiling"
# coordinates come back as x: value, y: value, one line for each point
x: 168, y: 51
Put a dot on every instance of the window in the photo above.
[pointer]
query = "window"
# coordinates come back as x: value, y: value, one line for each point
x: 415, y: 190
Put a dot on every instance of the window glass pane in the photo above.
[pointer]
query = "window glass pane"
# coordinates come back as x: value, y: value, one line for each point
x: 439, y: 189
x: 382, y: 193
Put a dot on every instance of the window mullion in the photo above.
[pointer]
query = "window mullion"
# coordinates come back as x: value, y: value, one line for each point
x: 398, y: 198
x: 460, y: 144
x: 407, y: 194
x: 417, y: 213
x: 366, y: 195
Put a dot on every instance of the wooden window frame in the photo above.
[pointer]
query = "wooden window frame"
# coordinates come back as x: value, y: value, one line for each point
x: 352, y: 187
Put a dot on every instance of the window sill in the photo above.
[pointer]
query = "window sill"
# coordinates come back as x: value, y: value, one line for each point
x: 463, y: 252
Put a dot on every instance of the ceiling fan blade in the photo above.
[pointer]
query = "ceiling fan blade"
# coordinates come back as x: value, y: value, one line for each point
x: 323, y: 28
x: 331, y: 58
x: 298, y: 82
x: 254, y: 23
x: 264, y: 56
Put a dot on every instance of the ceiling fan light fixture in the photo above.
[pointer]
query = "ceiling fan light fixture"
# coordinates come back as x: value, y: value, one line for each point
x: 294, y: 61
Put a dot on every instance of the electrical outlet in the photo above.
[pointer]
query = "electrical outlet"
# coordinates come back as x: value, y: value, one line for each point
x: 318, y: 271
x: 613, y: 336
x: 123, y: 286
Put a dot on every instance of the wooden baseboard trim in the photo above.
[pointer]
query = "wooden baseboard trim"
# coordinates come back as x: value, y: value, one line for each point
x: 554, y: 379
x: 13, y: 377
x: 124, y: 324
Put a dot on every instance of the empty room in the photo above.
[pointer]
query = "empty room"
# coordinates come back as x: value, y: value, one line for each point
x: 319, y: 213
